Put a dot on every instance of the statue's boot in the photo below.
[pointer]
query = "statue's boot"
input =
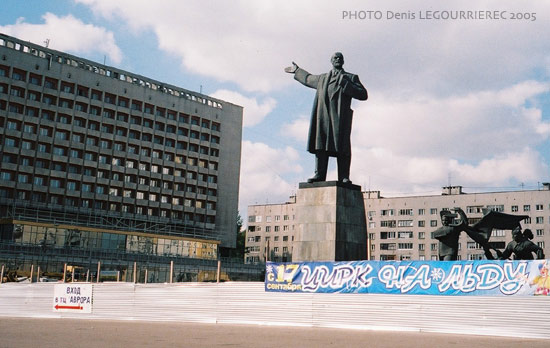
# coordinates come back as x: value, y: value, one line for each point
x: 321, y: 164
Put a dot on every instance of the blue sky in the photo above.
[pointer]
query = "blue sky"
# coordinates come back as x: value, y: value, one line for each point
x: 462, y: 101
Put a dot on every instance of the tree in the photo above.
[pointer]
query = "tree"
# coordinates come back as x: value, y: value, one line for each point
x: 241, y: 235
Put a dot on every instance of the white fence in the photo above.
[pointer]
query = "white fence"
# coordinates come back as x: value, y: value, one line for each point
x: 248, y: 303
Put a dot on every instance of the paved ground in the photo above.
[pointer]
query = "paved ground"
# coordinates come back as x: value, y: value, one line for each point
x: 59, y: 333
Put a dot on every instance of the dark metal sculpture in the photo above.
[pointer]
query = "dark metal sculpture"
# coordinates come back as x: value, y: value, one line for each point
x: 448, y: 234
x: 521, y: 247
x: 331, y: 117
x: 480, y: 232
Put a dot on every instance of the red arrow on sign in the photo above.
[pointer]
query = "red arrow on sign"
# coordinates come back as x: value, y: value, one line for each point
x: 68, y: 307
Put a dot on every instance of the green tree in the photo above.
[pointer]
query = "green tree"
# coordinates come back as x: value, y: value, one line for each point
x: 241, y: 235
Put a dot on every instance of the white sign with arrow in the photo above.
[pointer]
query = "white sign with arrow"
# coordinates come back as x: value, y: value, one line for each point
x: 73, y: 297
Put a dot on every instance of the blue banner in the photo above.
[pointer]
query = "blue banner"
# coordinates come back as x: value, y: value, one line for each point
x: 471, y: 278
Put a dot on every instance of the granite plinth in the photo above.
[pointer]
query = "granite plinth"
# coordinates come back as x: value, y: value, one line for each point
x: 330, y: 222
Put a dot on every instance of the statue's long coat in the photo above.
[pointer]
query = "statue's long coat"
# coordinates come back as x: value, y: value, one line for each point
x: 331, y: 117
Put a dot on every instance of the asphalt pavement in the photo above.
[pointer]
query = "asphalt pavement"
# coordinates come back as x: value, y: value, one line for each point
x: 84, y: 333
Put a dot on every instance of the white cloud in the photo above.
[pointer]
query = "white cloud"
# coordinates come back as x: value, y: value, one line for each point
x: 67, y: 34
x: 254, y: 112
x: 398, y: 174
x: 297, y: 129
x: 263, y: 169
x: 249, y: 43
x: 464, y: 127
x: 478, y: 139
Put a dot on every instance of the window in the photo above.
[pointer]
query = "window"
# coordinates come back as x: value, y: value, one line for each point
x: 539, y: 207
x: 387, y: 212
x: 539, y: 220
x: 526, y: 207
x: 10, y: 142
x: 43, y: 148
x: 421, y: 223
x: 59, y: 151
x: 515, y: 208
x: 433, y: 246
x: 498, y: 233
x: 387, y: 246
x: 23, y: 178
x: 433, y: 211
x: 61, y: 135
x: 540, y: 232
x: 18, y: 75
x: 119, y: 147
x: 38, y: 181
x: 421, y: 247
x: 387, y: 235
x: 404, y: 223
x: 387, y: 223
x: 56, y: 183
x: 433, y: 223
x: 13, y: 125
x: 35, y: 79
x: 499, y: 208
x: 474, y: 209
x: 472, y: 245
x: 405, y: 246
x: 405, y: 234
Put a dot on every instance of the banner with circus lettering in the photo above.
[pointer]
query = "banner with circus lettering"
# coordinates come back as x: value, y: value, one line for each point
x: 471, y: 278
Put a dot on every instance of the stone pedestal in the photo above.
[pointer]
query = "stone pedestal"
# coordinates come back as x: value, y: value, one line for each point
x: 330, y: 222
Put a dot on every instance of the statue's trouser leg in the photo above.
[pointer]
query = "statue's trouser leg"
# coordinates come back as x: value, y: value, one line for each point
x: 344, y: 162
x: 321, y: 164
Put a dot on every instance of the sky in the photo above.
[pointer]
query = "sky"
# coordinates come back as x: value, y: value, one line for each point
x: 458, y: 90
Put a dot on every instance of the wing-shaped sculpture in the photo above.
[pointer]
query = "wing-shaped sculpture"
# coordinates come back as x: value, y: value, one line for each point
x: 495, y: 219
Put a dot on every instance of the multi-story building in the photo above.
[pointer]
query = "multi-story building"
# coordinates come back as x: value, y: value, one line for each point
x: 270, y: 232
x: 401, y: 228
x: 95, y: 158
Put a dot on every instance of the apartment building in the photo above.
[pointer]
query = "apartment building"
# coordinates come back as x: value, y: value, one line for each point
x: 270, y: 232
x: 401, y: 228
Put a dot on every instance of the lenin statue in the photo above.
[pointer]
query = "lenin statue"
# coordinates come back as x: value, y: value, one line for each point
x: 330, y: 126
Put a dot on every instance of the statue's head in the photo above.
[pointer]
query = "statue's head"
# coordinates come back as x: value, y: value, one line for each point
x: 447, y: 217
x: 337, y: 60
x: 516, y: 234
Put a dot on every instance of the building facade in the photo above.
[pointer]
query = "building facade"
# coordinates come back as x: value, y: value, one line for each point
x: 401, y: 228
x: 95, y: 158
x: 270, y: 232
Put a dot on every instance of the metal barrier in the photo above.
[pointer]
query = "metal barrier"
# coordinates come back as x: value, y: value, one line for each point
x: 248, y: 303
